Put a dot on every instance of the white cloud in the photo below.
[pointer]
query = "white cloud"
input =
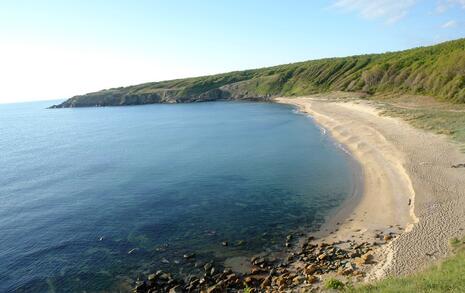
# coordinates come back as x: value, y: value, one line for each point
x: 449, y: 24
x: 390, y: 11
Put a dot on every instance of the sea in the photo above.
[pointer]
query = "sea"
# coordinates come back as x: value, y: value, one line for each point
x: 91, y: 199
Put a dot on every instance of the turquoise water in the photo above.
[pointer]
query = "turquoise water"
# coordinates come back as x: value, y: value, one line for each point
x: 81, y: 188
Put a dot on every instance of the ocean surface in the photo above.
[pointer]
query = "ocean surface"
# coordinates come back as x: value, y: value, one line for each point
x: 92, y: 198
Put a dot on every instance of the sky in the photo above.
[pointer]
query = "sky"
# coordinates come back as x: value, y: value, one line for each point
x: 58, y: 49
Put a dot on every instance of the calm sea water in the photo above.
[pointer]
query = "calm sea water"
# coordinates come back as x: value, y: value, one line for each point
x: 92, y: 198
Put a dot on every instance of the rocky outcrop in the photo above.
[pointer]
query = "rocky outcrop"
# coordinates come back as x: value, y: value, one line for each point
x: 125, y: 97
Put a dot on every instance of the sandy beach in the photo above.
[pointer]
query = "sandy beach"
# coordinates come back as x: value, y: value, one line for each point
x: 408, y: 185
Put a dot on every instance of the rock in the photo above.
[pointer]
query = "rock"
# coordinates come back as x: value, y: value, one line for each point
x: 208, y: 266
x: 256, y: 271
x: 248, y: 280
x: 194, y: 281
x: 310, y: 269
x: 189, y: 255
x: 367, y: 257
x: 214, y: 289
x: 323, y: 244
x: 240, y: 242
x: 165, y: 276
x: 140, y: 287
x: 298, y: 280
x: 266, y: 282
x: 224, y: 243
x: 259, y: 261
x: 152, y: 277
x: 322, y: 256
x: 227, y: 271
x: 164, y: 260
x: 359, y: 261
x: 387, y: 237
x: 349, y: 265
x: 231, y: 278
x: 347, y: 271
x: 176, y: 289
x: 312, y: 279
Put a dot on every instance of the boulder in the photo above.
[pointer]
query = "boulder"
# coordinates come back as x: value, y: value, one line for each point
x: 176, y: 289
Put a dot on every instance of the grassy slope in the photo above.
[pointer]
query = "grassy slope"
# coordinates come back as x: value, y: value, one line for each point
x: 437, y: 71
x: 447, y: 276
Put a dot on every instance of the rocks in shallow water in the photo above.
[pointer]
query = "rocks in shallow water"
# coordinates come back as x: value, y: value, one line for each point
x: 189, y: 255
x: 214, y: 289
x: 295, y: 270
x: 176, y: 289
x: 266, y: 282
x: 164, y: 260
x: 240, y: 242
x: 224, y: 243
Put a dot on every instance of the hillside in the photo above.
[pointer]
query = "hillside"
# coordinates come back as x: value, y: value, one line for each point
x: 437, y: 71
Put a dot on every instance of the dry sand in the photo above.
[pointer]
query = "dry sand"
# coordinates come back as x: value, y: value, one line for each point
x: 399, y: 164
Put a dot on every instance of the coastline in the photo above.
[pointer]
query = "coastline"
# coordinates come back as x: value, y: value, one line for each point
x: 408, y: 201
x: 399, y: 191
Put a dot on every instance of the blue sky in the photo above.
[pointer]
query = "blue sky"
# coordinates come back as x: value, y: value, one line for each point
x: 56, y: 49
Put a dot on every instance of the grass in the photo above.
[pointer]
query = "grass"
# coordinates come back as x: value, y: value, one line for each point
x: 438, y: 121
x: 437, y: 71
x: 447, y: 276
x: 333, y: 283
x: 427, y: 114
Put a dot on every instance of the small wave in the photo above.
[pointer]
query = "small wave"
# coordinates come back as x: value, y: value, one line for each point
x: 298, y: 112
x: 323, y: 130
x: 341, y: 147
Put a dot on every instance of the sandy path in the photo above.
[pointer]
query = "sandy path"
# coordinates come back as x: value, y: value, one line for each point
x: 399, y: 163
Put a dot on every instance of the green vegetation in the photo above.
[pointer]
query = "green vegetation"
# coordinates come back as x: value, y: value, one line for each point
x: 439, y: 121
x: 437, y: 71
x: 447, y: 276
x: 333, y: 283
x: 424, y: 113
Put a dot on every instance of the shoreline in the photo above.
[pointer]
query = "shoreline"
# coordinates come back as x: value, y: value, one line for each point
x: 359, y: 217
x: 406, y: 173
x: 399, y: 172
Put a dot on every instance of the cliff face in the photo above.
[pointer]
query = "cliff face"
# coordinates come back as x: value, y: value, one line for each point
x: 437, y: 71
x: 122, y: 97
